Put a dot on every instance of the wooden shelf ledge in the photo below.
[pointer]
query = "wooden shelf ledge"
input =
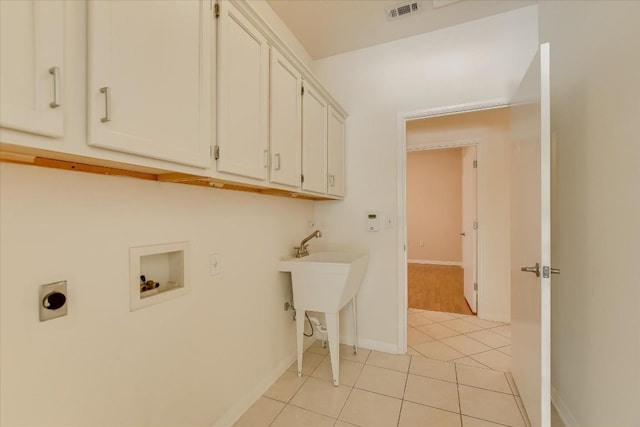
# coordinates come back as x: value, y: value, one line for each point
x: 43, y: 158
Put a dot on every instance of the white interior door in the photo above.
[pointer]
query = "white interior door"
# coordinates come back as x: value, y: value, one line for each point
x: 530, y: 240
x: 469, y: 227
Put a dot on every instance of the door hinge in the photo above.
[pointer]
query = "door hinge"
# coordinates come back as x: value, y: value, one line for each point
x: 215, y: 152
x: 302, y: 178
x: 216, y: 10
x: 475, y: 164
x: 475, y: 286
x: 302, y: 91
x: 475, y: 225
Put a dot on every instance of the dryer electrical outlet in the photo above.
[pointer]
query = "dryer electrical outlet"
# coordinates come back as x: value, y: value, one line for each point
x: 53, y: 300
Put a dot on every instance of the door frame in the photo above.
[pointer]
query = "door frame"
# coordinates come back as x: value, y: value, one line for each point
x: 401, y: 180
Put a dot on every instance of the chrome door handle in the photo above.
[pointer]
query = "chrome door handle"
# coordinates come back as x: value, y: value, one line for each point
x: 55, y: 72
x: 535, y: 269
x: 107, y: 104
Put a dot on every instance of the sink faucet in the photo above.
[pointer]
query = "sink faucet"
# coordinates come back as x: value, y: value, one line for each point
x: 301, y: 250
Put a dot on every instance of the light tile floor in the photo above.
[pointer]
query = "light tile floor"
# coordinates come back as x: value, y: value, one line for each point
x: 452, y: 375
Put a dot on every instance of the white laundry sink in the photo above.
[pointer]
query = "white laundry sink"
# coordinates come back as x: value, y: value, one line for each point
x: 325, y: 282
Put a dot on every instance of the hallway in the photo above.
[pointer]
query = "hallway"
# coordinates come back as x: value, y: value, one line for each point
x: 437, y: 288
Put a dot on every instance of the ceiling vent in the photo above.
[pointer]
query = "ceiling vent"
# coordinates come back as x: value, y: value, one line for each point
x: 403, y: 9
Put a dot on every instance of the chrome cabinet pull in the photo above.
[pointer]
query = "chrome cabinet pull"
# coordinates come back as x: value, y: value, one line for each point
x: 332, y: 180
x: 276, y: 160
x: 107, y: 104
x: 55, y: 72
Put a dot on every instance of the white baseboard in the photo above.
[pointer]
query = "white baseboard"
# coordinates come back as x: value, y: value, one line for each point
x: 379, y: 346
x: 235, y: 412
x: 430, y: 261
x: 494, y: 317
x: 563, y: 410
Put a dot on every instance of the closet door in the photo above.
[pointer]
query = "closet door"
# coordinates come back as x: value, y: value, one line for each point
x: 32, y: 66
x: 149, y: 80
x: 335, y: 154
x: 243, y: 103
x: 285, y: 121
x: 314, y: 141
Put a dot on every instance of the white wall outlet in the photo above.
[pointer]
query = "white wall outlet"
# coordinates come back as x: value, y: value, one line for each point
x: 214, y: 264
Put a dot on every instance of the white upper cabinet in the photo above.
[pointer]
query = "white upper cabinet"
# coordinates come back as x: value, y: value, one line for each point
x: 149, y: 78
x: 285, y: 121
x: 314, y: 141
x: 243, y: 102
x: 335, y: 154
x: 32, y: 66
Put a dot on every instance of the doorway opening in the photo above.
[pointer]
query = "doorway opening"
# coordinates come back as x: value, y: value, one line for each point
x: 441, y: 223
x: 481, y: 129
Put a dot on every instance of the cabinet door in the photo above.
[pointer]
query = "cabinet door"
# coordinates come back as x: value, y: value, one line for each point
x: 314, y: 141
x: 243, y: 66
x: 285, y: 121
x: 31, y: 66
x: 335, y: 154
x: 149, y: 81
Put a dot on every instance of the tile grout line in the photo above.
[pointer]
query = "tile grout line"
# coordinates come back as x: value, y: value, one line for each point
x: 353, y: 386
x: 455, y: 367
x: 279, y: 412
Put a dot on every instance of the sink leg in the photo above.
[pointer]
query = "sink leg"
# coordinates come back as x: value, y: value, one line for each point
x: 333, y: 332
x: 300, y: 336
x: 354, y: 312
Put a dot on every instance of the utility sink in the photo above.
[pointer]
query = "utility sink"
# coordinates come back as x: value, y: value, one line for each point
x: 325, y: 282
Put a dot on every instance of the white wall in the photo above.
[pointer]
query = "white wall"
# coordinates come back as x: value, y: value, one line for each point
x: 183, y: 362
x: 477, y: 61
x: 196, y: 360
x: 595, y: 92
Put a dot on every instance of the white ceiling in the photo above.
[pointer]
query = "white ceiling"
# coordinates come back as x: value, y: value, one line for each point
x: 329, y: 27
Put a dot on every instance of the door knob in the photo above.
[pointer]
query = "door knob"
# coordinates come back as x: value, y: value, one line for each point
x: 545, y: 270
x: 535, y: 269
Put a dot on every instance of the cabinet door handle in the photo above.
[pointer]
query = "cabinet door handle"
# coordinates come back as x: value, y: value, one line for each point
x: 107, y: 104
x: 332, y: 180
x: 276, y: 160
x: 55, y: 72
